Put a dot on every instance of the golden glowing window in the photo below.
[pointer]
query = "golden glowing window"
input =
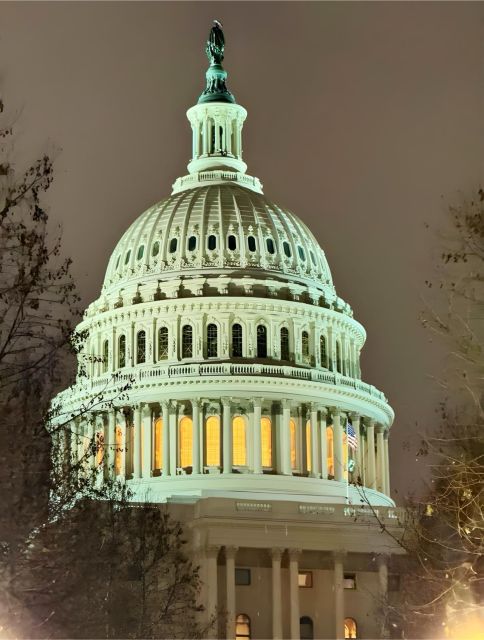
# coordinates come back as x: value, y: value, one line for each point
x: 185, y: 442
x: 266, y: 441
x: 242, y: 626
x: 99, y: 448
x: 308, y: 445
x: 292, y: 431
x: 118, y: 458
x: 239, y: 450
x: 158, y: 461
x: 330, y: 450
x: 212, y: 441
x: 350, y: 629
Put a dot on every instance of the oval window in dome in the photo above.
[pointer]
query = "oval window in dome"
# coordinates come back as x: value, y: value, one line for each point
x: 192, y: 243
x: 173, y: 245
x: 232, y: 243
x: 313, y: 259
x: 127, y: 257
x: 270, y: 246
x: 156, y: 249
x: 287, y: 248
x: 301, y: 253
x: 212, y: 242
x: 141, y: 251
x: 251, y: 243
x: 117, y: 262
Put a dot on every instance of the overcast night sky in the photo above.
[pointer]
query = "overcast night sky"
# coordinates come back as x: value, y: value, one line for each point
x: 365, y: 119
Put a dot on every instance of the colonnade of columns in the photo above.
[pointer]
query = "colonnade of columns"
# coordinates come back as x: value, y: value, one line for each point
x: 285, y: 438
x: 291, y: 557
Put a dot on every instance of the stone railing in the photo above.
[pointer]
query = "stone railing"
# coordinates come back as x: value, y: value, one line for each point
x: 199, y: 179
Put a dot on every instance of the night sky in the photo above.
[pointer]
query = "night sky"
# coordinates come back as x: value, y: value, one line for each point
x: 365, y: 119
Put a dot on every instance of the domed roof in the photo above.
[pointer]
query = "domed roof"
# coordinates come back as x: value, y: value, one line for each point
x: 217, y: 228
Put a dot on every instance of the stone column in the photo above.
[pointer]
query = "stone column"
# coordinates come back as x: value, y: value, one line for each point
x: 165, y: 435
x: 315, y: 473
x: 230, y: 553
x: 147, y: 439
x: 276, y: 595
x: 137, y: 443
x: 227, y: 444
x: 380, y: 466
x: 324, y: 444
x: 386, y: 462
x: 211, y: 554
x: 286, y: 439
x: 370, y: 455
x: 195, y: 436
x: 338, y: 445
x: 355, y: 422
x: 339, y: 610
x: 256, y: 433
x: 294, y: 593
x: 110, y: 443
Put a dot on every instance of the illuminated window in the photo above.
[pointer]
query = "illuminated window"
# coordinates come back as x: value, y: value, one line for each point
x: 236, y: 341
x: 232, y: 243
x: 305, y: 579
x: 212, y: 341
x: 239, y: 447
x: 261, y: 341
x: 349, y: 581
x: 158, y: 457
x: 122, y: 351
x: 292, y: 432
x: 163, y: 343
x: 306, y: 630
x: 266, y: 441
x: 323, y: 353
x: 287, y: 248
x: 242, y: 627
x: 141, y: 347
x: 308, y: 445
x: 119, y: 449
x: 140, y: 253
x: 212, y: 242
x: 212, y: 441
x: 251, y: 243
x: 187, y: 341
x: 99, y: 448
x: 350, y: 629
x: 156, y: 249
x: 305, y: 346
x: 284, y: 343
x: 338, y: 356
x: 192, y: 243
x: 105, y: 355
x: 330, y: 453
x: 185, y: 442
x: 173, y: 245
x: 270, y: 246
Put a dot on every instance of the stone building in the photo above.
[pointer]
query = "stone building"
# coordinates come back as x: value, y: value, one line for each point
x: 247, y: 410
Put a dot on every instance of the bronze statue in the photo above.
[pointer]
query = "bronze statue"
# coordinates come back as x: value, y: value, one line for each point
x: 215, y: 43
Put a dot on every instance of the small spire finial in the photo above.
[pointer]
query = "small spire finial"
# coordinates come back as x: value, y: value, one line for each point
x: 216, y: 90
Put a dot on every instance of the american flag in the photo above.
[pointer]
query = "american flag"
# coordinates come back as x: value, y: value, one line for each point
x: 351, y: 435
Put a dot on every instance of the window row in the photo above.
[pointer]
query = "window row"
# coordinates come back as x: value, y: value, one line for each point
x: 212, y: 243
x: 212, y: 349
x: 306, y: 628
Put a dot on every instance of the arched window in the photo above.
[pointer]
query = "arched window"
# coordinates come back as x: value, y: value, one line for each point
x: 261, y: 341
x: 287, y: 248
x: 185, y: 442
x: 239, y: 443
x: 163, y: 343
x: 284, y: 343
x: 122, y: 351
x: 119, y: 450
x: 187, y: 341
x: 192, y: 243
x: 270, y: 246
x: 232, y: 243
x: 301, y: 254
x: 127, y: 256
x: 313, y: 259
x: 155, y: 249
x: 158, y: 454
x: 251, y: 244
x: 212, y: 242
x: 330, y: 450
x: 292, y: 434
x: 141, y: 347
x: 242, y: 627
x: 173, y: 245
x: 323, y: 352
x: 308, y: 445
x: 212, y: 441
x: 305, y: 346
x: 350, y: 629
x: 266, y: 441
x: 236, y: 341
x: 211, y: 127
x: 306, y: 630
x: 105, y: 355
x: 212, y: 341
x: 338, y: 356
x: 141, y: 251
x: 117, y: 262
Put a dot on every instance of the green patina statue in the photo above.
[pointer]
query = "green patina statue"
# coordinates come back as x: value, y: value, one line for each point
x: 215, y: 44
x: 216, y: 89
